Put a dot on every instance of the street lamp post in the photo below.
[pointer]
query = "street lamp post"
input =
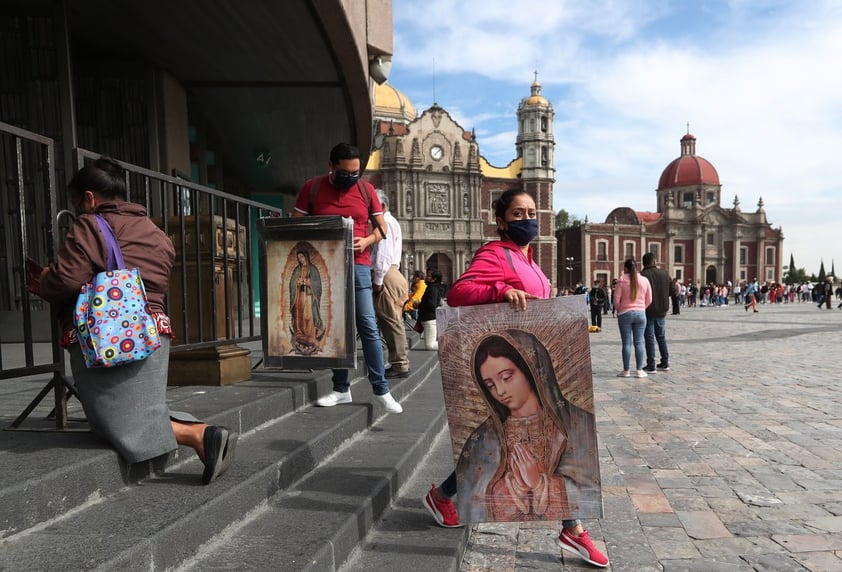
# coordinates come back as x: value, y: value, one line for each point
x: 569, y: 269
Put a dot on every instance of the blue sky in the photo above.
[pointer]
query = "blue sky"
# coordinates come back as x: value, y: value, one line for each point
x: 757, y: 80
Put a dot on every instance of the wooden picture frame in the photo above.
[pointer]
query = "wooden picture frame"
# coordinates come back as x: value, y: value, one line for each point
x: 518, y: 389
x: 307, y: 312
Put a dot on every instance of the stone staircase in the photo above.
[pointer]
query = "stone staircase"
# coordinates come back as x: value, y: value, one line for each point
x: 312, y: 488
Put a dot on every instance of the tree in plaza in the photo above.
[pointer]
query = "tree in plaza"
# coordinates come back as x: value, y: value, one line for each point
x: 564, y: 219
x: 794, y: 275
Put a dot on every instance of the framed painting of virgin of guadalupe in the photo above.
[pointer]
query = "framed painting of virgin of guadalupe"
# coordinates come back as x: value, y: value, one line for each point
x: 519, y: 396
x: 307, y: 292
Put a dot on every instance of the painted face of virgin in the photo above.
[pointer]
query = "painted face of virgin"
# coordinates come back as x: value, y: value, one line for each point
x: 301, y: 258
x: 506, y: 383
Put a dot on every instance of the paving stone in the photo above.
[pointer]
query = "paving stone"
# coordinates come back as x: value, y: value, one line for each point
x: 749, y: 545
x: 826, y: 524
x: 706, y: 565
x: 809, y: 542
x: 702, y: 524
x: 650, y: 503
x: 775, y: 563
x: 819, y: 561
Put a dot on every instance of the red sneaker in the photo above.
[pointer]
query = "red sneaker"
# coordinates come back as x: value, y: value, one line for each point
x: 583, y: 546
x: 443, y: 511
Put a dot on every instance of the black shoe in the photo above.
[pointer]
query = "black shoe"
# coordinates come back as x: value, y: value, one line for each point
x: 650, y: 370
x: 220, y: 444
x: 663, y: 367
x: 391, y: 373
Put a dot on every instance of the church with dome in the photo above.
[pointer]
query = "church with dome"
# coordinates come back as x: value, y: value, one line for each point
x: 693, y: 237
x: 441, y: 188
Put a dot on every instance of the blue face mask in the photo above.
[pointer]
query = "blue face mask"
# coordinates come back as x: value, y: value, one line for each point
x: 523, y: 231
x: 344, y: 180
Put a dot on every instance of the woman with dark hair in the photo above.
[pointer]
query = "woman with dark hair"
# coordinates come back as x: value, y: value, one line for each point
x: 126, y: 405
x: 505, y: 271
x: 305, y: 295
x: 631, y: 296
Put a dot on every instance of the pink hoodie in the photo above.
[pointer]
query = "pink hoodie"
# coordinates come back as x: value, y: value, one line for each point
x: 496, y: 268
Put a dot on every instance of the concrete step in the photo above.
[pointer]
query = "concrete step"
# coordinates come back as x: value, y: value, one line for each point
x: 407, y: 536
x: 316, y: 524
x: 46, y: 474
x: 166, y: 517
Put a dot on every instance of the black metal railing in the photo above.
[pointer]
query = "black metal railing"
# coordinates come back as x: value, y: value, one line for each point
x: 211, y: 301
x: 212, y: 297
x: 29, y: 204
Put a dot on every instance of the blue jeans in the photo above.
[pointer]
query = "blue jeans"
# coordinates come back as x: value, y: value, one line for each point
x: 369, y: 336
x: 656, y: 329
x: 448, y: 489
x: 632, y: 325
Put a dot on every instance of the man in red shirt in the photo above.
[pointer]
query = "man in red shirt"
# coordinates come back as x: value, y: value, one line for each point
x: 342, y: 193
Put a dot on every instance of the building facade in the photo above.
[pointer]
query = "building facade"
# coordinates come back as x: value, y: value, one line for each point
x: 441, y: 188
x: 694, y: 238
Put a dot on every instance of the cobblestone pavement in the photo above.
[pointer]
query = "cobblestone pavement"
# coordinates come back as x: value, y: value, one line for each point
x: 731, y: 461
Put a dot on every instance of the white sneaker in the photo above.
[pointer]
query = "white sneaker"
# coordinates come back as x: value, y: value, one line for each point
x: 641, y: 373
x: 387, y: 401
x: 334, y: 398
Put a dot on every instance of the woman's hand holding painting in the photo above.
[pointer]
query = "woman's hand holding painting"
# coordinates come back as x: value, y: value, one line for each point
x: 517, y: 298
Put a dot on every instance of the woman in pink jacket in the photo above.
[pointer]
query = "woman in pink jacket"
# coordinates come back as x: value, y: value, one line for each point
x: 504, y: 271
x: 632, y: 295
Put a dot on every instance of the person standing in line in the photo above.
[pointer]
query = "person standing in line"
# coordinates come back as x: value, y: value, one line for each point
x: 390, y: 291
x: 416, y: 292
x: 432, y: 298
x: 342, y: 193
x: 597, y: 299
x: 656, y: 312
x: 632, y: 296
x: 504, y: 271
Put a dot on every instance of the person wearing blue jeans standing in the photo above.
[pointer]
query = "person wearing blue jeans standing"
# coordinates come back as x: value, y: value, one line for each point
x: 342, y: 193
x: 656, y: 312
x: 632, y: 296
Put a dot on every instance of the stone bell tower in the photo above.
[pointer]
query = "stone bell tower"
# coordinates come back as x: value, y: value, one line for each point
x: 535, y: 145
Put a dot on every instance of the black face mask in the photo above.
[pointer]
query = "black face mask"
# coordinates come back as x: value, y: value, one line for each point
x: 345, y: 180
x: 523, y: 231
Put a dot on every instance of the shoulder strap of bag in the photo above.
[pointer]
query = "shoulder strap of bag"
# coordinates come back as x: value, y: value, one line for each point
x: 315, y: 183
x: 367, y: 198
x: 114, y: 258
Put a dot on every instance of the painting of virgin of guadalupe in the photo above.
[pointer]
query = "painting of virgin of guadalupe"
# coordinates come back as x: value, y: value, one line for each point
x: 521, y: 414
x: 307, y: 294
x: 305, y: 298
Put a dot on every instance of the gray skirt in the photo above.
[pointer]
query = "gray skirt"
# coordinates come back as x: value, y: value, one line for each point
x: 127, y: 405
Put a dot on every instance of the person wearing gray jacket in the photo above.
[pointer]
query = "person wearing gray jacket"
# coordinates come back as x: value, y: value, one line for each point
x: 656, y: 314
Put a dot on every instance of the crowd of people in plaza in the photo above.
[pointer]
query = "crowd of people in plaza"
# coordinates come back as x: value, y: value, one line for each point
x: 712, y: 295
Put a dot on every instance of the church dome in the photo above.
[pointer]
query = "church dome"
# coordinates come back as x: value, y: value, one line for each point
x: 536, y: 98
x: 689, y: 168
x: 391, y: 104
